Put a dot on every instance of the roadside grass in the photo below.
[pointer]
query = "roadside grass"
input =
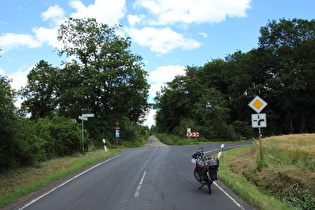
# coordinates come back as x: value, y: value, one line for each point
x: 243, y: 187
x: 17, y: 183
x: 285, y: 173
x: 175, y: 140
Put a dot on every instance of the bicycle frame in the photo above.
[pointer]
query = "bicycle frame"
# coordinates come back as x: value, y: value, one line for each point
x: 206, y: 168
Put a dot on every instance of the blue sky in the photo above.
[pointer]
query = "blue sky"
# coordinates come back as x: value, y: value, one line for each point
x: 168, y: 34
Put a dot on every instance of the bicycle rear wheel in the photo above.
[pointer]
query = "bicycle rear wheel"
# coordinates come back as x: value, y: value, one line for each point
x: 209, y: 181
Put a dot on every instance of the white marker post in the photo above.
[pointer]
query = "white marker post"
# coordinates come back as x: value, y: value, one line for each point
x: 105, y: 148
x: 220, y: 150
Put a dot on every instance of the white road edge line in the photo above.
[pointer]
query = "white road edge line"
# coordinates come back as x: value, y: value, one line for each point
x: 140, y: 184
x: 234, y: 201
x: 69, y: 180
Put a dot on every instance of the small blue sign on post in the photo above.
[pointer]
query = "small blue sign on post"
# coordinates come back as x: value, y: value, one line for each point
x: 117, y: 133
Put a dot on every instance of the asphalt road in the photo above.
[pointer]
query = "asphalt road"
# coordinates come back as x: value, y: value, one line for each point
x: 153, y: 177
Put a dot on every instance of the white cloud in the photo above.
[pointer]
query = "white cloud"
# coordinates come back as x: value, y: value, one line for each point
x: 134, y: 19
x: 19, y: 80
x: 162, y: 40
x: 163, y: 74
x: 48, y: 35
x: 40, y: 35
x: 10, y: 40
x: 54, y: 12
x: 163, y: 12
x: 105, y: 11
x: 203, y: 34
x: 2, y: 72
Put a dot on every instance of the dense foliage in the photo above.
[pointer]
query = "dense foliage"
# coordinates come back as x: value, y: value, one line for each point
x: 213, y: 99
x: 104, y: 78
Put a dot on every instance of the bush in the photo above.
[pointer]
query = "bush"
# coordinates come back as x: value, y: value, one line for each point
x: 298, y: 198
x: 39, y: 141
x: 133, y: 135
x: 61, y: 136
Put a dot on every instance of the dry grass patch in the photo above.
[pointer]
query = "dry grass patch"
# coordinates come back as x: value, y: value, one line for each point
x: 20, y: 177
x: 289, y: 143
x: 289, y: 161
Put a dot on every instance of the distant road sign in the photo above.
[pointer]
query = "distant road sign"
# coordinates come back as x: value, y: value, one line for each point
x: 117, y: 133
x: 192, y: 134
x: 83, y: 118
x: 259, y: 121
x: 87, y: 115
x: 257, y: 104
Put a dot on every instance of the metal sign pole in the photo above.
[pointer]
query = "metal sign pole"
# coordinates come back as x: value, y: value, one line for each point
x: 84, y: 117
x: 82, y: 136
x: 258, y: 120
x: 259, y: 131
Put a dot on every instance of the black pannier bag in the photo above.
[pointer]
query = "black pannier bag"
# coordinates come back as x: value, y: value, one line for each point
x: 213, y: 172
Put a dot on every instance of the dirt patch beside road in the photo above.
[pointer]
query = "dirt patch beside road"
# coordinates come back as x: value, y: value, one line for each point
x: 154, y: 142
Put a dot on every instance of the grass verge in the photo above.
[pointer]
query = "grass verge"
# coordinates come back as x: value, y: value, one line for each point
x: 243, y: 187
x: 17, y: 183
x: 285, y: 172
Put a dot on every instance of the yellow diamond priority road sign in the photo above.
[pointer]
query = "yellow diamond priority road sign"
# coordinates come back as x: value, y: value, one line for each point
x: 257, y: 104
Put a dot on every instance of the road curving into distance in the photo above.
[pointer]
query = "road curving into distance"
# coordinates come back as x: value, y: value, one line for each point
x: 155, y: 176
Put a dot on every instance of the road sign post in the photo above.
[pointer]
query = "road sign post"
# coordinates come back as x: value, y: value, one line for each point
x: 117, y: 132
x: 258, y: 120
x: 83, y: 118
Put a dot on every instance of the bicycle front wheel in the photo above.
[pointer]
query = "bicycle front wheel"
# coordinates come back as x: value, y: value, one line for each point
x: 197, y: 174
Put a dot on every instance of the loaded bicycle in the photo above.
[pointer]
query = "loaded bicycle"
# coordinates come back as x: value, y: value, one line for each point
x: 206, y: 170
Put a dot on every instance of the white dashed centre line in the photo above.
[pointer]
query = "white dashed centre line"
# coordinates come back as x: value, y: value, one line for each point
x: 140, y: 184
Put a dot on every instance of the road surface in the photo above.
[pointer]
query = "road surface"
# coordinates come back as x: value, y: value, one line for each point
x: 155, y: 176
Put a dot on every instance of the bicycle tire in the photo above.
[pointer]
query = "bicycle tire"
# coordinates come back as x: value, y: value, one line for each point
x: 209, y: 186
x: 196, y: 174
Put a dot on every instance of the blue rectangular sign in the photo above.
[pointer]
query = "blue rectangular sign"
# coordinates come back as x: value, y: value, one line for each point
x: 117, y: 133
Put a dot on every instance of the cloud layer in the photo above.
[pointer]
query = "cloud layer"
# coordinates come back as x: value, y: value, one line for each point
x: 166, y: 12
x: 144, y: 27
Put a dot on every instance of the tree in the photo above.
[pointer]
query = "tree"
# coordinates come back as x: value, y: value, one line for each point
x: 292, y: 44
x: 41, y: 91
x: 7, y: 124
x: 191, y: 100
x: 107, y: 79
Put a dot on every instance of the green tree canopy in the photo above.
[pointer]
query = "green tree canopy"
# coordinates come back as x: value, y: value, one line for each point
x: 291, y: 44
x: 7, y: 123
x: 41, y: 91
x: 105, y: 78
x: 216, y: 96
